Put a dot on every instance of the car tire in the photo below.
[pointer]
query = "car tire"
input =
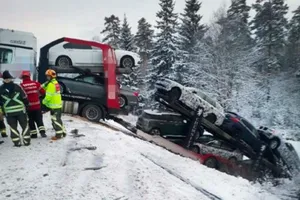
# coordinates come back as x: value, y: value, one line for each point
x: 155, y: 131
x: 63, y: 62
x: 211, y: 118
x: 127, y: 62
x: 274, y: 143
x: 211, y: 163
x: 174, y: 93
x: 233, y: 160
x: 92, y: 112
x: 195, y: 149
x: 122, y: 101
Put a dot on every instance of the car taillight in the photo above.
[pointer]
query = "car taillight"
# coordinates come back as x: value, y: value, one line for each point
x: 136, y: 94
x: 234, y: 119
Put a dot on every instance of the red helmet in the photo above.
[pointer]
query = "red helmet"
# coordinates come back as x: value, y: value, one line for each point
x: 25, y: 74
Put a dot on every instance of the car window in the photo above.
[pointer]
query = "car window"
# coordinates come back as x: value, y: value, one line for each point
x: 99, y: 80
x: 249, y: 126
x: 76, y: 46
x: 6, y: 56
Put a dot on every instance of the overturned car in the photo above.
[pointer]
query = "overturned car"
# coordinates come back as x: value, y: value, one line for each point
x: 260, y: 145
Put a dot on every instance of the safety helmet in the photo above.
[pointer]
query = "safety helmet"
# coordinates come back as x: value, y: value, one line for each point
x: 25, y: 74
x: 51, y: 73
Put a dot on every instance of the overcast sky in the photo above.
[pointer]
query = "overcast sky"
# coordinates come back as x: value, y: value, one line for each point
x: 52, y: 19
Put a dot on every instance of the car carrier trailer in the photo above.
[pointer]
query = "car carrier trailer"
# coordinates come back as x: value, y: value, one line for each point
x: 77, y: 104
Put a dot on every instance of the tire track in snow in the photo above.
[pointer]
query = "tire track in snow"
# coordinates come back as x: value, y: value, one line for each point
x: 200, y: 189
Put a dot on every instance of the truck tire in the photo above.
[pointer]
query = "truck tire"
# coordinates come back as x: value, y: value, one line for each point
x: 92, y: 112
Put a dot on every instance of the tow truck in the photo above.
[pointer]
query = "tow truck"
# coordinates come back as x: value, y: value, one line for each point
x: 75, y: 104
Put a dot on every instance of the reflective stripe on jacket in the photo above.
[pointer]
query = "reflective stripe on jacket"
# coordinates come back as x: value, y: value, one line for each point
x: 52, y: 99
x: 13, y: 99
x: 33, y: 90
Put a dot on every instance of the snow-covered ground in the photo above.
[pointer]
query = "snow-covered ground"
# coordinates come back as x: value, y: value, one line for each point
x: 129, y: 169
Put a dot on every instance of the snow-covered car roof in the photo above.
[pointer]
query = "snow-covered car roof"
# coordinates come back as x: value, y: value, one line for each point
x: 203, y: 96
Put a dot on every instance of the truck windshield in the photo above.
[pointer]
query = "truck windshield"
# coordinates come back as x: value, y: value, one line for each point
x: 5, y: 56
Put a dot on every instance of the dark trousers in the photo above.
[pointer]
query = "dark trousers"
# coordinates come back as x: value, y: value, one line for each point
x: 15, y: 135
x: 2, y: 128
x: 36, y: 120
x: 57, y: 123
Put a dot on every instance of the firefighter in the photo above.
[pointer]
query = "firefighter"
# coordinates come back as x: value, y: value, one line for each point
x: 33, y: 91
x: 14, y: 104
x: 53, y: 102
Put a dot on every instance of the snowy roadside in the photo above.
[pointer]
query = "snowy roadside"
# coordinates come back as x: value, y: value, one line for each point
x: 130, y: 169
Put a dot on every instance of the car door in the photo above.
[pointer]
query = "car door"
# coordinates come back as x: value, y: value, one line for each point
x: 97, y: 56
x: 81, y: 55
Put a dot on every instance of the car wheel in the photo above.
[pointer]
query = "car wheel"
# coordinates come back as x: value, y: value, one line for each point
x: 274, y: 143
x: 174, y: 94
x: 211, y: 118
x: 155, y: 131
x: 127, y: 62
x: 211, y: 163
x: 63, y: 61
x: 195, y: 149
x: 92, y: 112
x: 122, y: 101
x: 233, y: 160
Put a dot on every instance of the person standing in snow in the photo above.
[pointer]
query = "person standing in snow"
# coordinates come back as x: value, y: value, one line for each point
x: 33, y: 91
x: 53, y: 102
x: 14, y: 103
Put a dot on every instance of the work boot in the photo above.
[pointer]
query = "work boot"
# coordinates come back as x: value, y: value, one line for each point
x: 43, y: 135
x: 4, y: 135
x: 17, y: 144
x: 34, y: 136
x: 57, y: 137
x: 27, y: 144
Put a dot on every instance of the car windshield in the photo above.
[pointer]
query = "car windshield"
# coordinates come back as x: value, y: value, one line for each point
x: 6, y: 56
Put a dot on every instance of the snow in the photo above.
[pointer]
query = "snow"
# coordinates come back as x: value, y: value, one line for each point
x: 131, y: 169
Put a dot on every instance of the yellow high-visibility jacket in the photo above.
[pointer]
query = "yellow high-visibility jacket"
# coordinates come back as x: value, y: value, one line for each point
x: 52, y: 99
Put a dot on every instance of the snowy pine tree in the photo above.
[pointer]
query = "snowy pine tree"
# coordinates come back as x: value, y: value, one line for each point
x: 270, y: 26
x: 293, y: 53
x: 165, y: 51
x: 144, y: 43
x: 127, y: 43
x: 191, y: 30
x: 190, y: 33
x: 112, y: 31
x: 126, y: 37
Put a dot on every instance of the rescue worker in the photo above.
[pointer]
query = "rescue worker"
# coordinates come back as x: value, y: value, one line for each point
x: 14, y: 103
x: 53, y: 102
x: 33, y: 91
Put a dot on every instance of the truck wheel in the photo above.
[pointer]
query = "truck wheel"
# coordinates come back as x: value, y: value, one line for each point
x: 92, y: 112
x: 274, y: 143
x: 211, y: 163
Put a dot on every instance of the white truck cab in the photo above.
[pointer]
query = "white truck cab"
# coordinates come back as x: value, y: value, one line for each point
x: 18, y: 52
